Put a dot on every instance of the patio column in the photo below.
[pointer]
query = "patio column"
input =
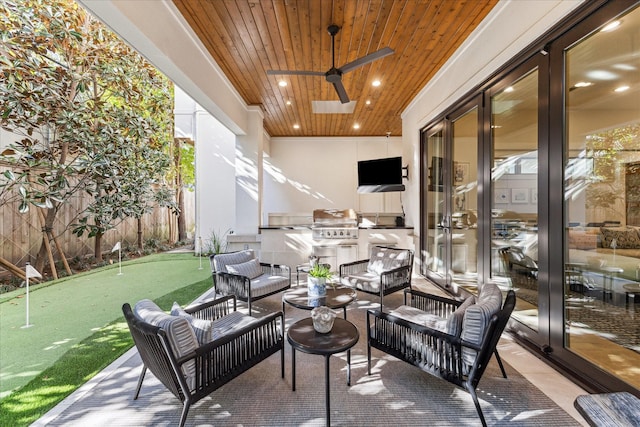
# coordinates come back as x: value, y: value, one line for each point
x: 249, y: 153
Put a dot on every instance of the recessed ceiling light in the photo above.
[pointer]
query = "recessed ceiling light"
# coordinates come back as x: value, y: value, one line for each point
x: 296, y: 126
x: 288, y: 102
x: 282, y: 83
x: 621, y: 89
x: 356, y: 126
x: 611, y: 26
x: 375, y: 83
x: 368, y: 102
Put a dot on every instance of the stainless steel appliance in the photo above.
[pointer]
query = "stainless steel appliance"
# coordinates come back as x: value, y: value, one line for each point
x: 335, y: 236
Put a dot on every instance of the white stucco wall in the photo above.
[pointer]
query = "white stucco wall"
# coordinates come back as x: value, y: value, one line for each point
x: 303, y: 174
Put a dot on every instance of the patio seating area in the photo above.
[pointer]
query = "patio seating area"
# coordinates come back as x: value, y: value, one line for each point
x: 260, y: 397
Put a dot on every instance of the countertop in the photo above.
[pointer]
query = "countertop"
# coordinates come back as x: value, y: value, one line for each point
x: 308, y: 227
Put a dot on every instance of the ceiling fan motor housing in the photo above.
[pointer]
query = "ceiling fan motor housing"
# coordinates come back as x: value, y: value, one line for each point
x: 333, y: 75
x: 333, y: 29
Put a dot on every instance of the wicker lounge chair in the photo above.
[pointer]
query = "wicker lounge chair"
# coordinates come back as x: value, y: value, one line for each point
x: 241, y: 274
x: 387, y: 270
x: 453, y: 345
x: 189, y: 366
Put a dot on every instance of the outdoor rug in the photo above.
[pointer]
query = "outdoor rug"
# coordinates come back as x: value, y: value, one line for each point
x: 396, y: 394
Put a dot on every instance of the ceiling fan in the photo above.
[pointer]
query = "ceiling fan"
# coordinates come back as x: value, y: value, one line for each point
x: 334, y: 75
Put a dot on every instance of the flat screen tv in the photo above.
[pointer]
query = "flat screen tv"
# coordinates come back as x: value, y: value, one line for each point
x: 380, y: 175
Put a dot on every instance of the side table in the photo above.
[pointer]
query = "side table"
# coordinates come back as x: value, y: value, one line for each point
x: 336, y: 297
x: 302, y: 337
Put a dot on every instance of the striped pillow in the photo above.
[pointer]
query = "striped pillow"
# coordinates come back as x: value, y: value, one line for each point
x: 201, y: 327
x: 250, y: 269
x: 454, y: 321
x: 180, y: 334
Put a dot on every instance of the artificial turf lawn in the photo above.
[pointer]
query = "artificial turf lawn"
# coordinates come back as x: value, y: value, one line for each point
x: 66, y: 311
x: 79, y: 364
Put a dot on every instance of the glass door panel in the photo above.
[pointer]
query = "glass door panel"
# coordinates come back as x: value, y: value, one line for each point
x: 514, y: 181
x: 434, y: 256
x: 464, y: 201
x: 602, y: 199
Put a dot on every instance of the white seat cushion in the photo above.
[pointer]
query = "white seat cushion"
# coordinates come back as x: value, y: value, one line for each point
x: 366, y: 281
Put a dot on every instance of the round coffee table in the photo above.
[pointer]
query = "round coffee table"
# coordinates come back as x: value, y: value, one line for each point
x: 303, y: 337
x: 337, y: 297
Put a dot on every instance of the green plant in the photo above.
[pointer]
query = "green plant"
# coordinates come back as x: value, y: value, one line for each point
x: 216, y: 244
x: 321, y: 271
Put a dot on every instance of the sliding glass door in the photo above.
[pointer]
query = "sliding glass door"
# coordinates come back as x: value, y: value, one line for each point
x: 433, y: 202
x: 602, y: 197
x: 463, y: 243
x: 450, y: 201
x: 514, y: 183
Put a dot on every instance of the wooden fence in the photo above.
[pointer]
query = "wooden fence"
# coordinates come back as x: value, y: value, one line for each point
x: 21, y: 233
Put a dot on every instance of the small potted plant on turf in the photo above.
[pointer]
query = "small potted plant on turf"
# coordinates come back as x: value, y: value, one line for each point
x: 317, y: 280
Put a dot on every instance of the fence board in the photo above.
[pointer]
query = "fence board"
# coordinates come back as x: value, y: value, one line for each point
x: 21, y: 233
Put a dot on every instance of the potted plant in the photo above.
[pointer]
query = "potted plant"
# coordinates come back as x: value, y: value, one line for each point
x: 317, y: 280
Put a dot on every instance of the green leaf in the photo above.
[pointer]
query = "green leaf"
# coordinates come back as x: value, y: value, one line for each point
x: 76, y: 35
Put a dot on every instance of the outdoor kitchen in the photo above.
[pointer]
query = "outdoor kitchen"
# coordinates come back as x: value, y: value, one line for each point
x: 335, y: 236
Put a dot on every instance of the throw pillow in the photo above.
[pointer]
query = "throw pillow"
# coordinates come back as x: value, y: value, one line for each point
x: 626, y: 238
x: 250, y: 269
x: 201, y: 327
x: 454, y: 322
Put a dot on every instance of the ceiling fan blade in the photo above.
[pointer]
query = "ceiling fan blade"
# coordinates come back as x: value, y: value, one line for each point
x: 342, y: 93
x: 366, y: 59
x: 290, y: 72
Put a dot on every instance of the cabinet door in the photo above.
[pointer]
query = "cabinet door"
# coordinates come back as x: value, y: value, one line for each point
x: 347, y: 253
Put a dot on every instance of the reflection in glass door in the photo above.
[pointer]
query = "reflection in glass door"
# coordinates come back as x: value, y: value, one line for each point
x: 514, y: 181
x: 602, y: 188
x: 434, y: 258
x: 464, y: 201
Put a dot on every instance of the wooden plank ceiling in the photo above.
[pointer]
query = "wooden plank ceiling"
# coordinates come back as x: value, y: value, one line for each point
x: 248, y: 37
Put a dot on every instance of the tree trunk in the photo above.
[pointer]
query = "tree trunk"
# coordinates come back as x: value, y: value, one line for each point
x: 43, y: 253
x: 177, y: 159
x: 52, y: 263
x: 140, y: 234
x: 45, y: 248
x: 182, y: 226
x: 97, y: 252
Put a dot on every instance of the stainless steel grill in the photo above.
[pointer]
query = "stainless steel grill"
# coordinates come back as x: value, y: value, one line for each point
x: 334, y: 224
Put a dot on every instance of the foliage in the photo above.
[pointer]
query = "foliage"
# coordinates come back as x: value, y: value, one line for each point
x: 320, y: 270
x: 215, y: 244
x: 94, y: 117
x: 187, y: 166
x: 605, y: 187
